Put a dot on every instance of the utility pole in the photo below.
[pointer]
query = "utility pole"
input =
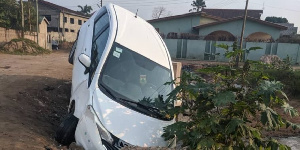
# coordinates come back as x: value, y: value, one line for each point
x: 244, y: 25
x: 37, y: 21
x: 22, y: 15
x: 64, y: 21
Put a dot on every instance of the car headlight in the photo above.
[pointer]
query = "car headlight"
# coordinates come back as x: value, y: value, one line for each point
x: 104, y: 134
x: 109, y: 141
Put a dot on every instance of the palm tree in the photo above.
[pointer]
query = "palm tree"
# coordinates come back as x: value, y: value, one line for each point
x: 85, y: 9
x: 198, y: 4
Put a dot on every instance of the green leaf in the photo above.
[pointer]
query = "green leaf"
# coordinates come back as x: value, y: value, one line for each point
x: 270, y: 87
x: 232, y: 125
x: 224, y: 46
x: 275, y: 145
x: 256, y: 133
x: 270, y: 118
x: 293, y: 125
x: 290, y: 110
x: 224, y: 98
x: 206, y: 143
x: 179, y: 129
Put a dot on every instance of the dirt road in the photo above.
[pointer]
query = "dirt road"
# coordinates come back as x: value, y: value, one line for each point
x: 34, y: 94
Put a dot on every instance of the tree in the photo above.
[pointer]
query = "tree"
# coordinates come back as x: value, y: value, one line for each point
x: 198, y: 5
x: 159, y: 12
x: 85, y: 9
x: 276, y: 19
x: 9, y: 14
x: 30, y: 15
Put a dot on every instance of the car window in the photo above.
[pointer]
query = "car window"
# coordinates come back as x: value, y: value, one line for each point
x: 134, y: 76
x: 131, y: 76
x: 100, y: 24
x: 101, y: 33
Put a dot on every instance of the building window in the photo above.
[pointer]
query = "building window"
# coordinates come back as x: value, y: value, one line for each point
x: 72, y: 20
x: 79, y: 22
x: 72, y: 30
x: 65, y: 19
x: 48, y: 17
x: 66, y: 30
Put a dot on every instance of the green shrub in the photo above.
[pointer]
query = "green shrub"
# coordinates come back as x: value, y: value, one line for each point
x: 231, y: 110
x: 290, y: 78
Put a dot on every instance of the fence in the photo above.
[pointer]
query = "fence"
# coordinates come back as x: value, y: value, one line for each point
x: 205, y: 50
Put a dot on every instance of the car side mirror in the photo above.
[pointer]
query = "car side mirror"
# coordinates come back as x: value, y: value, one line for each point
x: 85, y: 61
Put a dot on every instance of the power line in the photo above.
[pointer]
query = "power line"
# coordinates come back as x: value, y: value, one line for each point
x: 275, y: 7
x: 153, y: 4
x: 165, y: 2
x: 218, y: 4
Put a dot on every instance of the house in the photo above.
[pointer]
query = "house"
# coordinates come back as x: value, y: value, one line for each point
x: 64, y: 23
x: 218, y: 25
x: 182, y: 23
x: 229, y: 30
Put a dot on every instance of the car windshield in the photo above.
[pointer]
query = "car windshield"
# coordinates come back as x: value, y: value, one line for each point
x: 132, y: 77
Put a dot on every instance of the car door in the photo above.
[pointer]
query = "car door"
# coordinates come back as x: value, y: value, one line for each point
x: 99, y: 41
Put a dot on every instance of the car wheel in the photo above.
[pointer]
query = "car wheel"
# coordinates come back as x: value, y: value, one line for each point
x: 65, y: 134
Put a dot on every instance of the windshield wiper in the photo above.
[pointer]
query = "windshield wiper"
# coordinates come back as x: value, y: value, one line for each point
x: 151, y: 109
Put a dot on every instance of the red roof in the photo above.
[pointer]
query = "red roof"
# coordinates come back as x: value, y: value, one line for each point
x: 239, y: 18
x: 186, y: 15
x: 232, y: 13
x: 60, y: 8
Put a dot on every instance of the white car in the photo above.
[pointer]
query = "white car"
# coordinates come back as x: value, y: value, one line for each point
x: 119, y: 94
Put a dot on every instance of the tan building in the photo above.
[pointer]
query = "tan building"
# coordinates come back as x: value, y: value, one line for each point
x: 44, y: 40
x: 64, y: 23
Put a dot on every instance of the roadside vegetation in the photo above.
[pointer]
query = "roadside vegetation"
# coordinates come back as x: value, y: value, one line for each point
x: 10, y: 15
x: 23, y: 47
x: 228, y: 106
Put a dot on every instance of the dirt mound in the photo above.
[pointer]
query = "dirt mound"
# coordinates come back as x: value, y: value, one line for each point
x: 23, y: 46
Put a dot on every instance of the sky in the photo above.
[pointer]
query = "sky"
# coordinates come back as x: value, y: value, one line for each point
x: 289, y: 9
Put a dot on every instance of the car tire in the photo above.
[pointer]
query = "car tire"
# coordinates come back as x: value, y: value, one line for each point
x: 65, y: 134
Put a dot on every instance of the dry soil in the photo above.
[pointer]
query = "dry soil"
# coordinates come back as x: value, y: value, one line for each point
x: 34, y: 94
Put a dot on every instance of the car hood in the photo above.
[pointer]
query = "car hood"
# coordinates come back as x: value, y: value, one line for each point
x: 127, y: 124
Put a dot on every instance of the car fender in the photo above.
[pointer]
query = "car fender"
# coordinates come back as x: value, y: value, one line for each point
x: 87, y: 134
